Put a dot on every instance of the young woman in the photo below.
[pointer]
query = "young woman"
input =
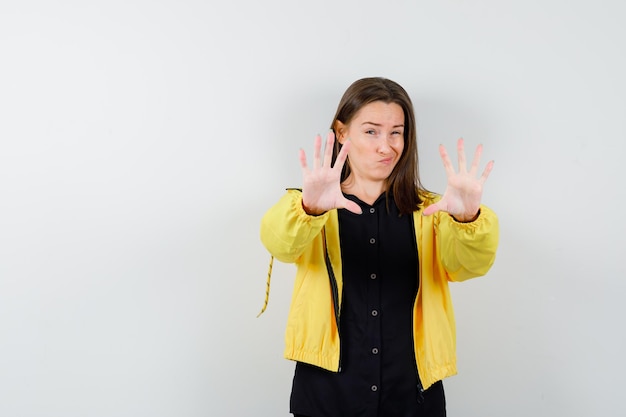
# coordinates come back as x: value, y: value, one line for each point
x: 371, y: 324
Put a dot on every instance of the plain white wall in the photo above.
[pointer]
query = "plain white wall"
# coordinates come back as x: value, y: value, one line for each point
x: 142, y: 141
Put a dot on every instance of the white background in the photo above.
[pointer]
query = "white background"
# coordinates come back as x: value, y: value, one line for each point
x: 142, y: 141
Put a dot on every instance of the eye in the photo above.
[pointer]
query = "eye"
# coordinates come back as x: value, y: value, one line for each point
x: 370, y: 132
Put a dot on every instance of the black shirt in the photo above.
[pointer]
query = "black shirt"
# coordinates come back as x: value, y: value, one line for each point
x: 378, y: 373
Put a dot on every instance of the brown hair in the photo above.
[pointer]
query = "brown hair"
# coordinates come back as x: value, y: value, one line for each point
x: 403, y: 181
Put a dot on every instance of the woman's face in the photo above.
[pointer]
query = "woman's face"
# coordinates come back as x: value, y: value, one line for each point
x: 377, y: 136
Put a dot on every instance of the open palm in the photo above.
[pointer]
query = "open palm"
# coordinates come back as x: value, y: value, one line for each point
x: 464, y: 189
x: 321, y: 185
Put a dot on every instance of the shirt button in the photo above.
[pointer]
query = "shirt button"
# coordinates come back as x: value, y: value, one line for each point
x: 372, y: 241
x: 374, y: 313
x: 375, y: 351
x: 373, y: 276
x: 372, y: 210
x: 374, y: 388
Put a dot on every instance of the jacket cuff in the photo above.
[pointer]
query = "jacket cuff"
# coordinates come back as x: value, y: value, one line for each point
x: 303, y: 216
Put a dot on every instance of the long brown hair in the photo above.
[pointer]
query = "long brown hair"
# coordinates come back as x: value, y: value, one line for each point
x: 403, y: 181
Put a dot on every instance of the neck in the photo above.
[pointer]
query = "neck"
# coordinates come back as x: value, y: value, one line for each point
x: 366, y: 191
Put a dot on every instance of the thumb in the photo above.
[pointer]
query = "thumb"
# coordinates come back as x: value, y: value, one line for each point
x: 352, y: 206
x: 432, y: 209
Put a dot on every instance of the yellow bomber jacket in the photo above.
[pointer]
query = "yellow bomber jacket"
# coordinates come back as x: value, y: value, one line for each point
x: 447, y: 251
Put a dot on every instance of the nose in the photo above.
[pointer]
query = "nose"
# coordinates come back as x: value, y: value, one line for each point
x: 383, y: 146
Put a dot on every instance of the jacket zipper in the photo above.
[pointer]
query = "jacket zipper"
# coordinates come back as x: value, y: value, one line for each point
x: 420, y: 387
x: 333, y: 286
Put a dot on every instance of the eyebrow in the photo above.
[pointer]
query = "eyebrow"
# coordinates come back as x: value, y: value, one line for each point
x: 378, y: 124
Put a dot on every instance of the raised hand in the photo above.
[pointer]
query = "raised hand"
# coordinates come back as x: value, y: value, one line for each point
x: 464, y: 189
x: 321, y: 188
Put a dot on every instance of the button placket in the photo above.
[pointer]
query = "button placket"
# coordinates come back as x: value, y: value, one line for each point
x: 373, y: 298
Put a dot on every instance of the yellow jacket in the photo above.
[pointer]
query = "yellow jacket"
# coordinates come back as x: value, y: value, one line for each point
x: 447, y: 251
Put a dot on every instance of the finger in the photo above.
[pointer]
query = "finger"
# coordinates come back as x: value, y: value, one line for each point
x: 445, y: 158
x: 486, y: 172
x: 303, y: 162
x: 316, y: 152
x: 476, y: 161
x: 342, y: 156
x: 460, y: 149
x: 328, y: 150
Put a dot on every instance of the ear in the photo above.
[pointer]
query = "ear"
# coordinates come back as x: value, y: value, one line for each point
x: 341, y: 131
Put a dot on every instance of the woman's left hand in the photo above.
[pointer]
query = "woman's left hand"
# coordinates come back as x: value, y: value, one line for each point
x: 464, y: 189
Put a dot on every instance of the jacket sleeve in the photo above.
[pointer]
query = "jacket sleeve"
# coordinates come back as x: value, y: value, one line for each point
x: 286, y: 229
x: 468, y: 250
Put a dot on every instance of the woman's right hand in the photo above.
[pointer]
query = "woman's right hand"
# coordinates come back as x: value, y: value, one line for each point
x: 321, y: 186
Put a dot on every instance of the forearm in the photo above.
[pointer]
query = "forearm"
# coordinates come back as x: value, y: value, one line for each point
x: 286, y: 229
x: 468, y: 249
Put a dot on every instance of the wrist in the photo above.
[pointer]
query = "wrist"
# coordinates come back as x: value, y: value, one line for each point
x: 311, y: 211
x: 466, y: 218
